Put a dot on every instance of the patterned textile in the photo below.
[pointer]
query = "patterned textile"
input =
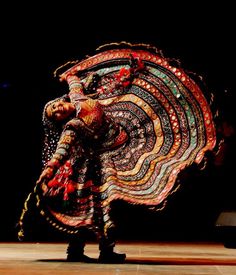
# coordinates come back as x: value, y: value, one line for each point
x: 156, y: 123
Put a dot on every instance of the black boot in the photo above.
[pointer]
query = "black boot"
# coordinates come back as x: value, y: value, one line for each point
x: 75, y: 252
x: 107, y: 254
x: 111, y: 257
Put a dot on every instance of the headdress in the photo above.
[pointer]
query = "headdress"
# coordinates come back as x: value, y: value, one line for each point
x: 52, y: 131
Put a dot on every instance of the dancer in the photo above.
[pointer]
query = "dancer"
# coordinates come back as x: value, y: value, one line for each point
x: 128, y: 125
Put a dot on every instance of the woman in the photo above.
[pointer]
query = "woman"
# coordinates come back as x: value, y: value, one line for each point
x: 149, y: 122
x: 71, y: 178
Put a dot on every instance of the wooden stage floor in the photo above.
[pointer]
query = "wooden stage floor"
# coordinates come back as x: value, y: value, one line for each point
x: 164, y: 258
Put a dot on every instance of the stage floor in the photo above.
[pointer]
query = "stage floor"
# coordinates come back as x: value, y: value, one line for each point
x: 164, y: 258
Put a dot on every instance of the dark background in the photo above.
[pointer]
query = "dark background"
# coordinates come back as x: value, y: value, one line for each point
x: 35, y: 40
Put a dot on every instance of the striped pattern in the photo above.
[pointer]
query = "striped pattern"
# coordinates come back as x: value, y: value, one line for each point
x: 169, y: 125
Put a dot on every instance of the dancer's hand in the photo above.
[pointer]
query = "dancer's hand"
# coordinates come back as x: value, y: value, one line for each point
x: 46, y: 175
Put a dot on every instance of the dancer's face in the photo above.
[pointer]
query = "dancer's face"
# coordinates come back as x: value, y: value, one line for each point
x: 60, y: 110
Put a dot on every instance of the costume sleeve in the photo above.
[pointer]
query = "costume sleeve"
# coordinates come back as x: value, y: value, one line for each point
x: 78, y: 88
x: 63, y: 149
x: 76, y: 92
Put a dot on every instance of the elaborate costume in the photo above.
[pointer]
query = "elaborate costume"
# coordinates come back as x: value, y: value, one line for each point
x: 145, y: 121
